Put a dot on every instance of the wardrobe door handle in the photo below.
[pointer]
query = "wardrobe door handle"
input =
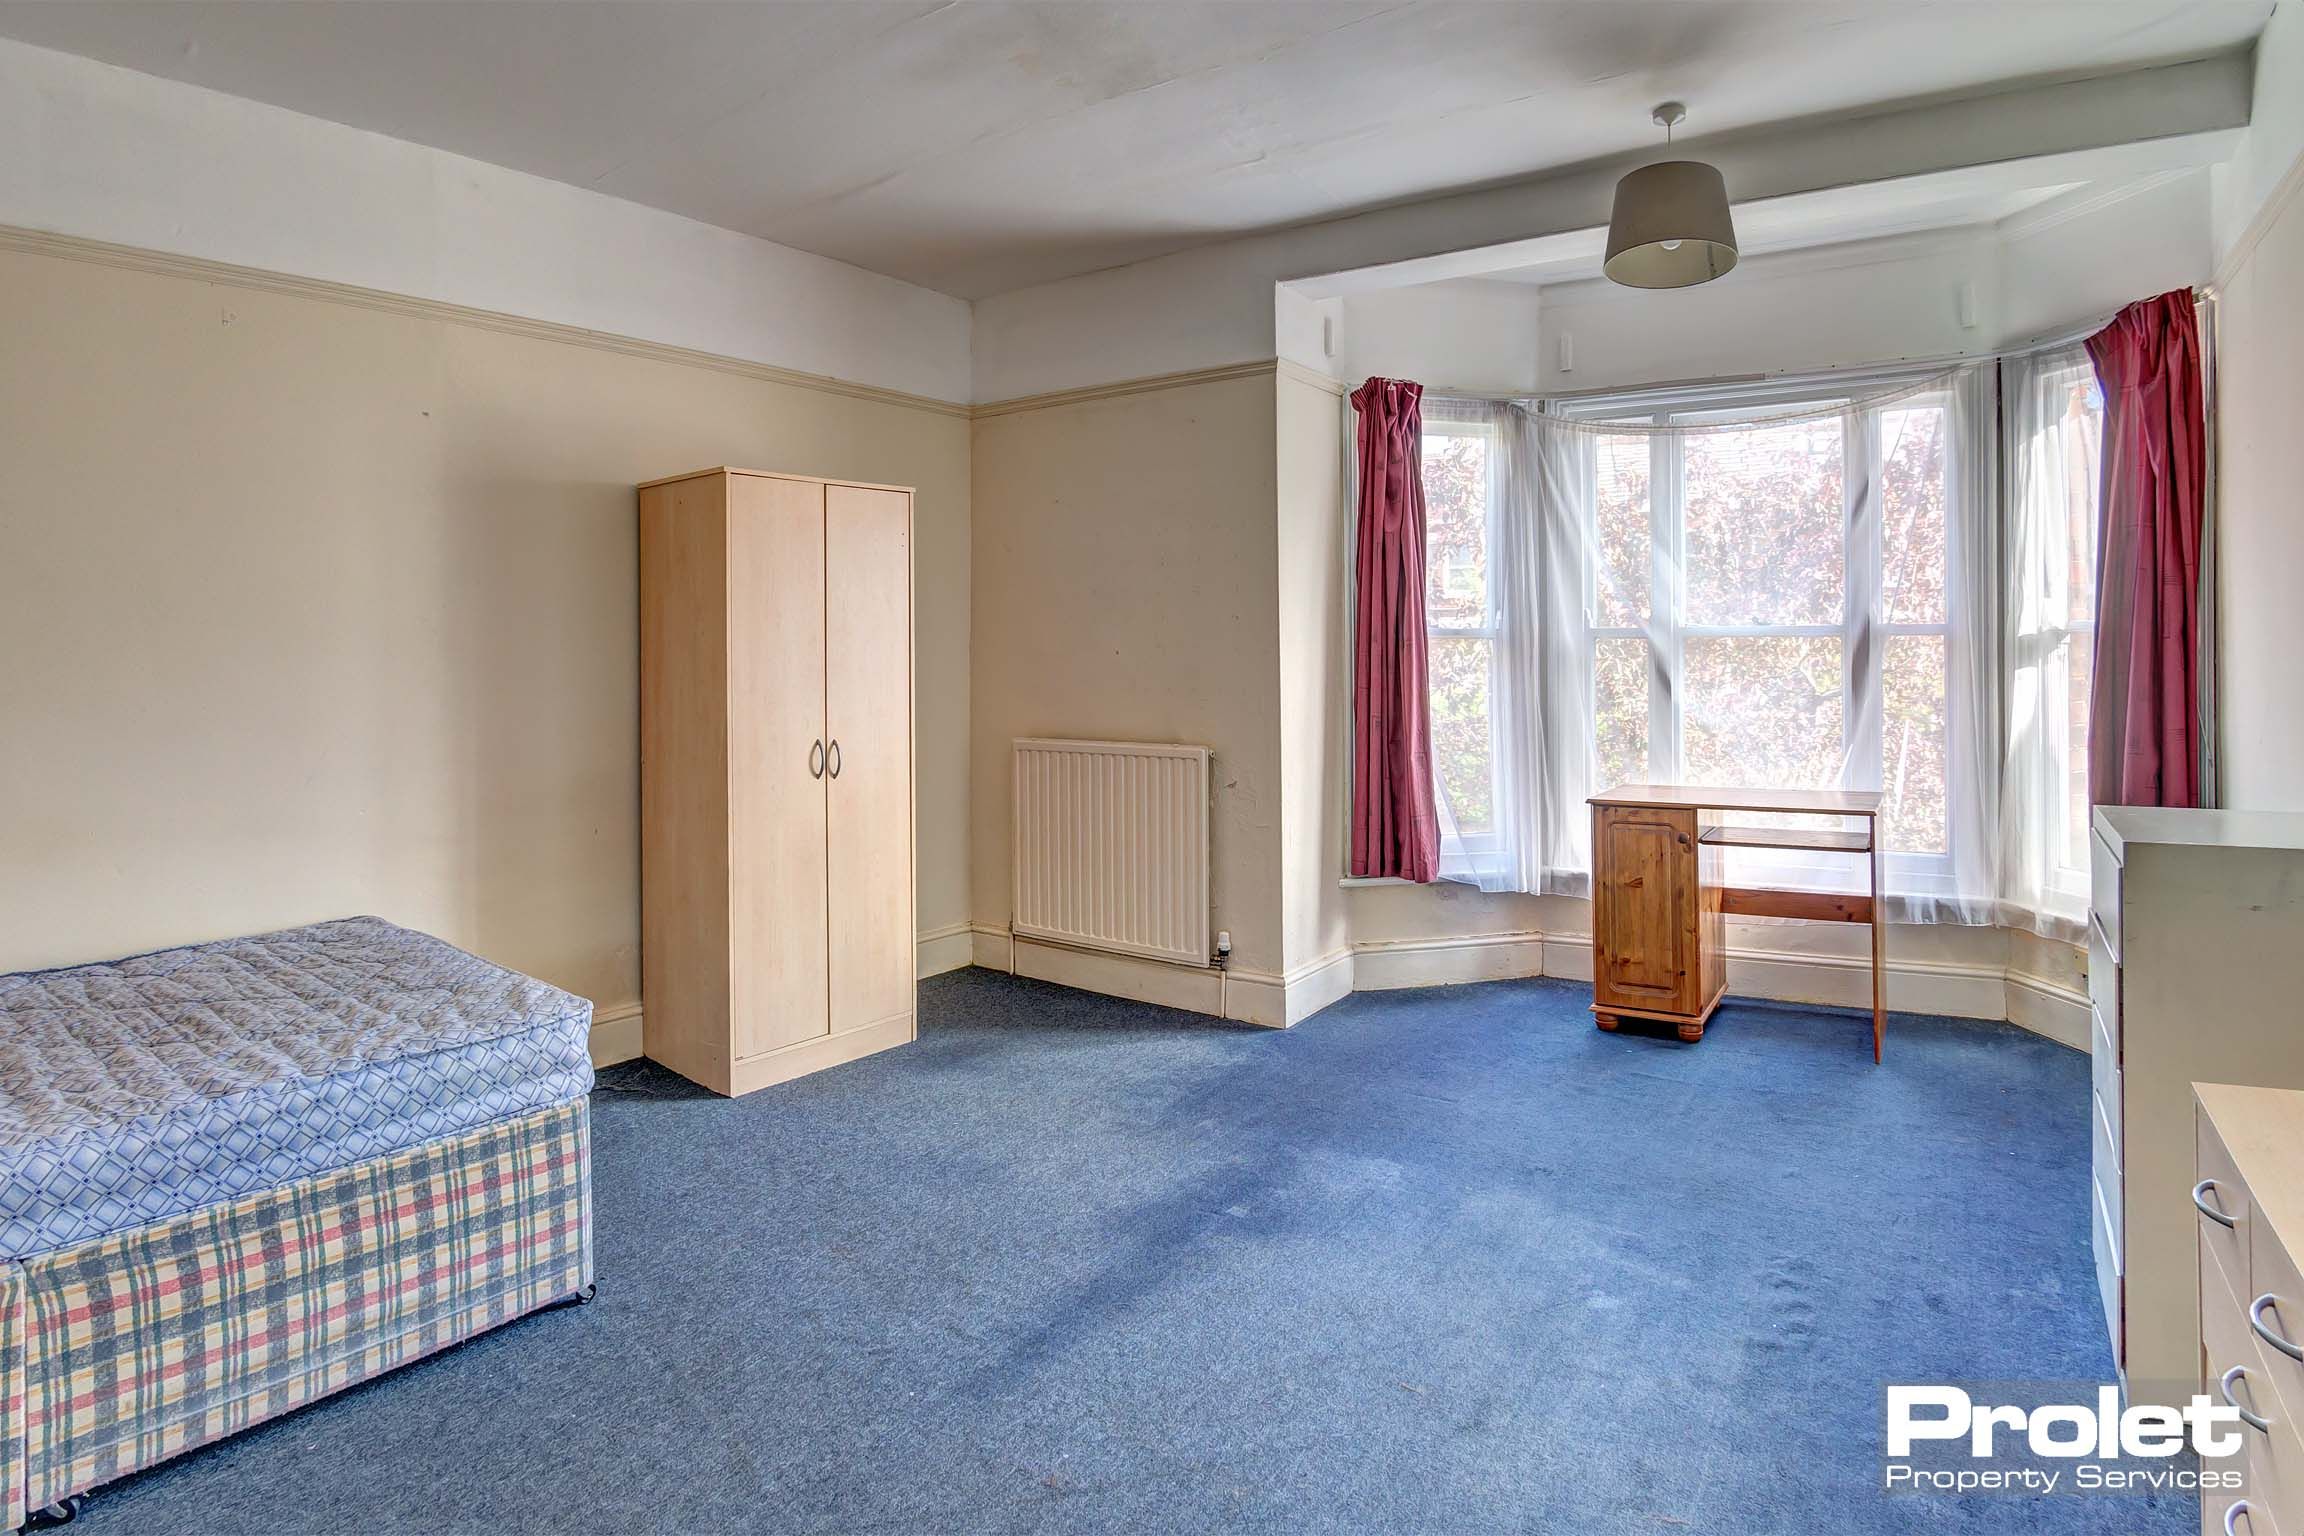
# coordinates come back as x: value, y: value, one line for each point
x: 834, y: 770
x: 2233, y: 1511
x: 2200, y: 1203
x: 816, y: 761
x: 2248, y: 1415
x: 2256, y: 1321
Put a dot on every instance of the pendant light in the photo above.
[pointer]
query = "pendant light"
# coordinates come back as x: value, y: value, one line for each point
x: 1671, y: 227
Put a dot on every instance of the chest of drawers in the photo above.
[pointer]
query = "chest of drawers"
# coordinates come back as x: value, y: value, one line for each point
x: 2248, y: 1204
x: 2195, y: 974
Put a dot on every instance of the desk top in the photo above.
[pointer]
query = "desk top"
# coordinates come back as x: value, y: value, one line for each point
x: 1802, y: 802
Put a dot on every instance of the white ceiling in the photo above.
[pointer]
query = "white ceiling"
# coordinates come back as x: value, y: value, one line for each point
x: 978, y: 146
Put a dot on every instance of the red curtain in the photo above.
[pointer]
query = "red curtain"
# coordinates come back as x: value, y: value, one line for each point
x: 2144, y: 732
x: 1395, y: 828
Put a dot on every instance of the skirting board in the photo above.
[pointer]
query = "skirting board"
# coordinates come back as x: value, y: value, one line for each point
x: 2047, y: 1009
x: 615, y: 1034
x: 616, y: 1030
x: 946, y: 949
x: 1974, y: 992
x: 1390, y: 963
x: 1310, y: 988
x: 1253, y: 997
x: 1250, y: 997
x: 1845, y: 981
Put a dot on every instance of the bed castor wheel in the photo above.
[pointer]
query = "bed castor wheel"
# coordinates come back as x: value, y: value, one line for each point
x: 573, y: 1299
x: 63, y: 1512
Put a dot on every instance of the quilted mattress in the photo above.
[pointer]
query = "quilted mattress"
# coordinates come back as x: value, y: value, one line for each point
x: 140, y: 1089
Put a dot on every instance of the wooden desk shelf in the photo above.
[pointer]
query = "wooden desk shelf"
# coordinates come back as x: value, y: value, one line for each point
x: 1660, y: 905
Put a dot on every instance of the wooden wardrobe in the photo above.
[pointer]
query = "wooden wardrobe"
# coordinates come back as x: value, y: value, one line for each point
x: 776, y: 879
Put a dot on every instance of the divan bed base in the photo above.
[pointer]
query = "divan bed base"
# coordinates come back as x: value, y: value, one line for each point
x: 133, y: 1348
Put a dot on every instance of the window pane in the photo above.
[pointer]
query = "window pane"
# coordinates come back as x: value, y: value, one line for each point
x: 1462, y: 744
x: 1620, y: 712
x: 1456, y: 530
x: 1762, y: 711
x: 1620, y: 530
x: 1912, y: 515
x: 2082, y: 654
x: 2083, y: 445
x: 1765, y: 524
x: 1912, y: 773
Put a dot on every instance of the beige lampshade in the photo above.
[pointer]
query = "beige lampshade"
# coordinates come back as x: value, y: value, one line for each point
x: 1671, y: 227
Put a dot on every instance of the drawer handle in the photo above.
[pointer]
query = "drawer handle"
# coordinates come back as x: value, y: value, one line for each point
x: 2248, y: 1415
x: 2200, y: 1204
x: 2234, y: 1511
x: 2256, y: 1321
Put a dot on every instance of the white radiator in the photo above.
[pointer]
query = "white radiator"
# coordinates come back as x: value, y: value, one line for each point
x: 1111, y: 847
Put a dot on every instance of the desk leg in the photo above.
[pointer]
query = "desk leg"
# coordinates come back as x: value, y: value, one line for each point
x: 1879, y: 948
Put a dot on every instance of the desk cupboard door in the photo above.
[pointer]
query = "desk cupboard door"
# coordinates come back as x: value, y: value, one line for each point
x: 868, y: 698
x: 1644, y: 909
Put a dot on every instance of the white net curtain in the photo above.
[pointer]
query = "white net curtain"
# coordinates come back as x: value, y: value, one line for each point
x: 1796, y: 584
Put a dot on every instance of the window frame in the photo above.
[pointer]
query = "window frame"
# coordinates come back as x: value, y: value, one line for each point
x: 2074, y: 882
x: 1489, y: 844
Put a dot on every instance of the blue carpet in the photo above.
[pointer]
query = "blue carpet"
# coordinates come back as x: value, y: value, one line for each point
x: 1447, y: 1261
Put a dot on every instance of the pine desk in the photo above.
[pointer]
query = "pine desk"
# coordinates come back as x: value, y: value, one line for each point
x: 1660, y: 906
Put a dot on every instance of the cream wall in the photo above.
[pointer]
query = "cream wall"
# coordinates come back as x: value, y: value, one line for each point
x: 1471, y: 334
x: 2260, y: 517
x: 1126, y: 580
x: 2075, y: 258
x: 2260, y: 456
x: 1860, y: 303
x: 1315, y: 687
x: 313, y: 608
x: 2265, y: 161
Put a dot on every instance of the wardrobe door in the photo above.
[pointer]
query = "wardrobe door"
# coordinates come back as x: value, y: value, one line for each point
x: 777, y: 922
x: 868, y: 708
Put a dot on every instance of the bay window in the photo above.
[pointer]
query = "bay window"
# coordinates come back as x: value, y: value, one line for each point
x: 1775, y: 587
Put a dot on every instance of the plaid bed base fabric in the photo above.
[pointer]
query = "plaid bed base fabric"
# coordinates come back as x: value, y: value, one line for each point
x: 142, y: 1345
x: 11, y: 1396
